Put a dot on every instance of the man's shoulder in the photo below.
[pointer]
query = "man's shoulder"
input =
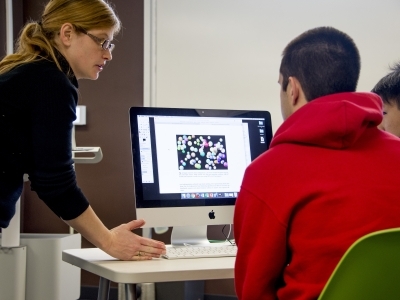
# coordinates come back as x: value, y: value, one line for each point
x: 275, y: 157
x: 385, y: 142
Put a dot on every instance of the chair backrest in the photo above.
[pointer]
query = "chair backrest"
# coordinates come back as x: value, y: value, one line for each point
x: 370, y: 269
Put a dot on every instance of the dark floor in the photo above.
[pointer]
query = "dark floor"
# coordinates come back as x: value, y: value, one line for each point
x: 90, y: 293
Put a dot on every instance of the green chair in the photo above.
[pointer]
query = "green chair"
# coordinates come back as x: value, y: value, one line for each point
x: 369, y: 270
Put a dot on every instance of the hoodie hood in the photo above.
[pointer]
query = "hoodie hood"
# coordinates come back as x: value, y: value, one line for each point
x: 335, y: 121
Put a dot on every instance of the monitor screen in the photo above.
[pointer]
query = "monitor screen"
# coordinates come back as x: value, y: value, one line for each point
x: 188, y: 164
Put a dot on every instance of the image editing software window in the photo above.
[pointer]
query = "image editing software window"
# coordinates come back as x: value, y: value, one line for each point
x: 188, y: 165
x: 186, y: 158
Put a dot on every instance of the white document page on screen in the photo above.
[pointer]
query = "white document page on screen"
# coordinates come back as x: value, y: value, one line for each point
x: 201, y: 154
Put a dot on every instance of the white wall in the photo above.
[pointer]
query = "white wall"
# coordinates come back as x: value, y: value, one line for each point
x: 226, y: 53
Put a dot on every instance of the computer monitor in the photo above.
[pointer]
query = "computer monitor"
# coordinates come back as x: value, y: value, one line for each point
x: 188, y: 165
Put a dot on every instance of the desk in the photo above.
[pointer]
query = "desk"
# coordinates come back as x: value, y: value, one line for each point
x: 130, y: 273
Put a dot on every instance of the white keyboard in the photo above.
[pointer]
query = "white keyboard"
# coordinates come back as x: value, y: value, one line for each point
x: 178, y: 252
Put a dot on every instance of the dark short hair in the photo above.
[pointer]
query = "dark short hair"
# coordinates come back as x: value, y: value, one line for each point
x: 388, y: 88
x: 324, y: 60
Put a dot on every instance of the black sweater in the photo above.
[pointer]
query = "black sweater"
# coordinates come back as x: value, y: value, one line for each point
x: 37, y: 108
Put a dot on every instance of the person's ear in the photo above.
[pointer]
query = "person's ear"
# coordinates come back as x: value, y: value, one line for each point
x: 293, y: 90
x: 66, y: 32
x: 296, y: 95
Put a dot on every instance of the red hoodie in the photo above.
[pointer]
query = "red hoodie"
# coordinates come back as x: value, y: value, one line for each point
x: 329, y: 177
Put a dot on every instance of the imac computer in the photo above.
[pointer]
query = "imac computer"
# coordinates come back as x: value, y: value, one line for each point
x: 188, y: 165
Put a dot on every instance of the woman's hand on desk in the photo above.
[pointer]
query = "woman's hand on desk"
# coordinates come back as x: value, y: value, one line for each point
x: 126, y: 245
x: 119, y: 242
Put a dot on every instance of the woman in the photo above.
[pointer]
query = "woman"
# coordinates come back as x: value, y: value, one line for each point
x: 38, y: 98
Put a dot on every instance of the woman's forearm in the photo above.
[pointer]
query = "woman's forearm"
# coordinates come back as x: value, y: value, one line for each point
x: 119, y: 242
x: 92, y: 228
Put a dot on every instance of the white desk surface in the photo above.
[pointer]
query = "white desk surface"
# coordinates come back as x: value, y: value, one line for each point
x: 98, y: 262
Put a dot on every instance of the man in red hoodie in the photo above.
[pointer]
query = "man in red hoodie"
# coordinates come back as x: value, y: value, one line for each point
x: 324, y: 181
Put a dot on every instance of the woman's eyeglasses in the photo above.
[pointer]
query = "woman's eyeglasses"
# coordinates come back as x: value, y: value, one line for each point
x: 104, y: 43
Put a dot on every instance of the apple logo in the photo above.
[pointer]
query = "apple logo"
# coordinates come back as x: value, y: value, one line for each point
x: 211, y: 214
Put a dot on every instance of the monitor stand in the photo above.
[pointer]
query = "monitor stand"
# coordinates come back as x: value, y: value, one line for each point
x: 189, y: 235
